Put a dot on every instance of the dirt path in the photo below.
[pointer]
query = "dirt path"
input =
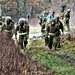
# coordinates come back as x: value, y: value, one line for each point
x: 34, y: 26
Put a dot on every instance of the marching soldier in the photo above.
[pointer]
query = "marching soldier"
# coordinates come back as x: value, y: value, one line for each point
x: 66, y: 20
x: 66, y: 24
x: 22, y: 30
x: 60, y: 28
x: 51, y: 33
x: 62, y: 11
x: 9, y: 28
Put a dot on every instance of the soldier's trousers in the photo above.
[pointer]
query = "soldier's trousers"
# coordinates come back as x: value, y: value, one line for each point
x: 56, y: 42
x: 50, y: 41
x: 46, y: 40
x: 42, y: 29
x: 66, y: 25
x: 22, y: 41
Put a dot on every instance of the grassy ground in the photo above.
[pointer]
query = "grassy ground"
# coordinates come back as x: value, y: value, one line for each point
x: 49, y: 58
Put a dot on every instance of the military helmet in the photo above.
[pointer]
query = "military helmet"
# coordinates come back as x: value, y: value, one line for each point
x: 45, y: 19
x: 53, y: 21
x: 22, y: 21
x: 9, y: 21
x: 68, y: 10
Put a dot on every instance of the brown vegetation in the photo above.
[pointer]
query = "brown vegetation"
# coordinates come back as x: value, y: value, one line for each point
x: 12, y: 62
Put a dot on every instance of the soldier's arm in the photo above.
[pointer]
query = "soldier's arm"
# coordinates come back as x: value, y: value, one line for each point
x: 57, y: 32
x: 17, y: 28
x: 48, y: 29
x: 61, y: 26
x: 12, y: 27
x: 27, y: 29
x: 40, y: 21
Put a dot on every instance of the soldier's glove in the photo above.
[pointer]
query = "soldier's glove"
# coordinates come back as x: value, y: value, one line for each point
x: 60, y: 37
x: 48, y: 36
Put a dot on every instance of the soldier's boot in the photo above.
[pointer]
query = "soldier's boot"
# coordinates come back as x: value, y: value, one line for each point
x: 46, y: 41
x: 25, y: 43
x: 68, y: 27
x: 54, y: 45
x: 58, y: 45
x: 69, y: 37
x: 50, y: 46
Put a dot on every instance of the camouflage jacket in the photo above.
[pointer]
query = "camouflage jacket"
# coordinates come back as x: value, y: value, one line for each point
x: 9, y: 27
x: 59, y: 25
x: 53, y: 30
x: 22, y: 29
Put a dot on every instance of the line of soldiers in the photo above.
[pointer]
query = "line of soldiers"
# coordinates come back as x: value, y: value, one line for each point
x: 53, y: 28
x: 21, y: 30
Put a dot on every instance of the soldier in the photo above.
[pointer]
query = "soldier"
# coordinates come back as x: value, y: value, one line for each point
x: 66, y: 20
x: 62, y: 11
x: 43, y: 26
x: 58, y: 25
x: 52, y: 34
x: 46, y: 36
x: 50, y: 29
x: 23, y: 33
x: 66, y: 24
x: 9, y: 27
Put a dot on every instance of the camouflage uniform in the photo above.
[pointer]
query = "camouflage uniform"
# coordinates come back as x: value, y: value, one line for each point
x: 59, y: 26
x: 66, y: 21
x: 54, y: 31
x: 23, y: 32
x: 62, y: 11
x: 62, y: 15
x: 9, y: 28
